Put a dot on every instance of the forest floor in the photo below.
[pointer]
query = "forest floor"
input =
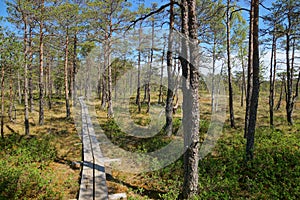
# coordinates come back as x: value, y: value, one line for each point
x: 223, y: 174
x: 39, y: 166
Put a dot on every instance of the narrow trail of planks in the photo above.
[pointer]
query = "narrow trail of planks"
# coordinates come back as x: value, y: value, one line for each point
x: 93, y: 179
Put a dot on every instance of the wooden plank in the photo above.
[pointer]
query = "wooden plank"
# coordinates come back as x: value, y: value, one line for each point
x: 86, y: 184
x: 87, y: 175
x: 100, y: 188
x: 101, y: 191
x: 93, y: 181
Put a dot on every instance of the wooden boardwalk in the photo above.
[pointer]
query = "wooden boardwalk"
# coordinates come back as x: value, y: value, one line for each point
x: 93, y: 179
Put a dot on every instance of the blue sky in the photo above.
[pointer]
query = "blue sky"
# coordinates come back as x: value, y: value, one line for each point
x: 2, y: 8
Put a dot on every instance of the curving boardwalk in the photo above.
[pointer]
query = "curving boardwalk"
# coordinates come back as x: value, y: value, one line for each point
x: 93, y: 178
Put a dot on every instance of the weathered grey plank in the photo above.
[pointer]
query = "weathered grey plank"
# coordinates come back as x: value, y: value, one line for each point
x: 93, y: 181
x: 86, y: 185
x: 101, y: 191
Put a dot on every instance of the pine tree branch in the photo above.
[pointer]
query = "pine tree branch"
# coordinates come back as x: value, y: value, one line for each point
x: 240, y: 9
x: 150, y: 14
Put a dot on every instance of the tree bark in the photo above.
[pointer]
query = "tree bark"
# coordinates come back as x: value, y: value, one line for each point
x: 190, y: 99
x: 289, y: 93
x: 213, y: 74
x: 138, y: 91
x: 170, y: 93
x: 30, y: 70
x: 232, y: 124
x: 68, y: 112
x: 26, y: 111
x: 272, y: 80
x: 19, y: 88
x: 281, y: 93
x: 104, y: 86
x: 256, y: 84
x: 150, y: 67
x: 160, y: 95
x: 244, y: 90
x: 49, y: 84
x: 249, y: 73
x: 11, y: 95
x: 2, y: 101
x: 41, y: 74
x: 110, y: 112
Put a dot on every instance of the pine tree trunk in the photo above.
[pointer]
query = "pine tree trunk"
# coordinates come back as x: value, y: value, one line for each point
x: 41, y: 74
x: 271, y: 88
x: 170, y: 93
x: 30, y: 70
x: 213, y: 75
x: 150, y: 68
x: 103, y: 97
x: 68, y: 112
x: 244, y: 90
x: 190, y: 100
x: 19, y: 88
x: 2, y: 101
x: 289, y: 93
x: 232, y: 124
x: 160, y: 95
x: 49, y: 84
x: 115, y: 82
x: 110, y: 112
x: 281, y: 93
x: 11, y: 96
x: 249, y: 73
x: 26, y: 111
x: 138, y: 91
x: 256, y: 84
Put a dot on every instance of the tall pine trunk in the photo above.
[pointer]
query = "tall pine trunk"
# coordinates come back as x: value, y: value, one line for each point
x: 160, y: 95
x: 289, y: 92
x: 110, y: 112
x: 103, y: 87
x: 213, y: 107
x: 2, y: 100
x: 74, y: 88
x: 26, y: 111
x: 256, y: 84
x: 229, y: 66
x: 190, y: 99
x: 11, y: 95
x: 30, y: 69
x: 19, y: 88
x: 244, y: 85
x: 170, y: 93
x: 41, y: 74
x: 150, y: 67
x: 282, y: 87
x: 272, y: 80
x: 138, y: 91
x: 107, y: 60
x: 249, y: 73
x: 68, y: 112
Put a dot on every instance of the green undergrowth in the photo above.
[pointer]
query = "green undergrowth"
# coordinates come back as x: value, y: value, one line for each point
x: 274, y: 173
x: 24, y: 172
x: 134, y: 144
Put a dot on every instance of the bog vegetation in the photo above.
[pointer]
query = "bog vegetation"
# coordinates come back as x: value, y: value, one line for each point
x: 189, y: 59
